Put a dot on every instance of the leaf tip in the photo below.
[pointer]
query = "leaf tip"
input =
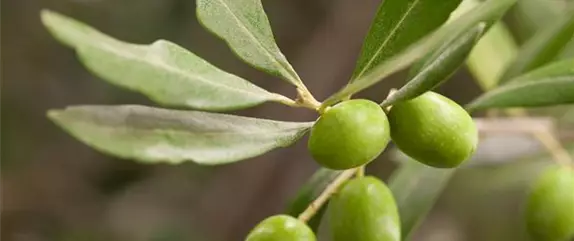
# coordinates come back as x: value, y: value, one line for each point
x: 45, y: 13
x: 54, y: 115
x: 65, y: 29
x: 49, y: 17
x: 471, y: 107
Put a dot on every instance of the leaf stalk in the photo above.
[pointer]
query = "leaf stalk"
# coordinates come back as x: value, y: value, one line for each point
x: 305, y: 99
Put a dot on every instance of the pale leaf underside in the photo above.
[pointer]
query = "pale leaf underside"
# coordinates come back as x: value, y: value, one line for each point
x: 154, y: 135
x: 165, y: 72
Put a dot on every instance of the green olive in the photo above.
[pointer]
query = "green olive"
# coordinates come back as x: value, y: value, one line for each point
x: 364, y: 210
x: 281, y: 228
x: 433, y: 130
x: 349, y: 134
x: 550, y: 207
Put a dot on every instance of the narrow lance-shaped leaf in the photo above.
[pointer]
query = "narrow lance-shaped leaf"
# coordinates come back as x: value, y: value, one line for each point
x: 397, y: 25
x: 154, y: 135
x: 533, y: 15
x: 552, y: 84
x: 543, y: 47
x: 165, y: 72
x: 463, y: 7
x: 243, y: 24
x: 488, y: 12
x: 309, y: 192
x: 416, y: 188
x: 439, y: 66
x: 492, y: 54
x: 498, y: 41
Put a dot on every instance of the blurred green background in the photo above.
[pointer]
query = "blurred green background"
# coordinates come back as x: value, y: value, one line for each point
x: 56, y: 188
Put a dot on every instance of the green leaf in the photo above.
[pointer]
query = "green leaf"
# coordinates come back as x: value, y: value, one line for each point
x: 398, y: 25
x: 416, y: 188
x: 163, y: 71
x: 439, y: 66
x: 243, y: 24
x: 543, y: 47
x: 309, y: 192
x: 491, y: 55
x: 489, y: 12
x: 532, y: 15
x: 552, y: 84
x: 154, y: 135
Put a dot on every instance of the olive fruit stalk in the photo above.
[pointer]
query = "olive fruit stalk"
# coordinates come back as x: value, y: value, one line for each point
x: 349, y: 134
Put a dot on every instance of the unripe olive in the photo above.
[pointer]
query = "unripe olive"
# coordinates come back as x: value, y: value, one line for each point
x: 550, y: 207
x: 349, y: 134
x: 364, y: 210
x: 281, y: 228
x: 433, y: 130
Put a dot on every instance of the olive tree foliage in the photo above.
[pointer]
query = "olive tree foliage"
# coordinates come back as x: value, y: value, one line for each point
x: 175, y: 77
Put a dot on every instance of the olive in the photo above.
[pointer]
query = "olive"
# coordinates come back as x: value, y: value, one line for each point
x: 550, y: 206
x: 281, y: 228
x: 364, y: 210
x: 349, y: 134
x: 433, y: 130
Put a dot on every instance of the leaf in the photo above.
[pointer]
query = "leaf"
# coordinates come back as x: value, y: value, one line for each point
x: 309, y: 192
x: 154, y: 135
x: 552, y: 84
x: 439, y: 66
x: 491, y: 55
x: 416, y: 188
x: 488, y: 11
x: 532, y: 15
x: 397, y: 25
x: 163, y: 71
x: 543, y: 47
x: 243, y: 24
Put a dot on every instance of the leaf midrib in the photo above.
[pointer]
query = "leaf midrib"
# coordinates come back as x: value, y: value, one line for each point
x: 261, y: 46
x: 393, y: 32
x: 276, y: 133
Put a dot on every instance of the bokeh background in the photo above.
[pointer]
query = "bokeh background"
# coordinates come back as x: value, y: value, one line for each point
x: 56, y: 188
